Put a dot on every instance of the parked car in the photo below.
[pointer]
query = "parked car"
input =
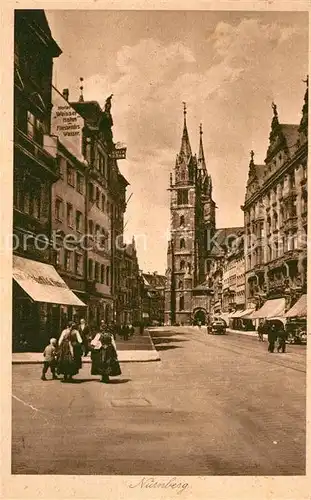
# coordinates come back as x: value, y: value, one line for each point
x: 217, y: 327
x: 296, y: 330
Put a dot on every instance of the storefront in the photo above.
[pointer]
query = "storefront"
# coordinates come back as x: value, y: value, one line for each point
x: 41, y: 303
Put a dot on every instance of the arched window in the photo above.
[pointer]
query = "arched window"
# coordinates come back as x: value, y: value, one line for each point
x: 181, y: 303
x: 182, y: 243
x: 180, y: 285
x: 182, y: 220
x: 182, y: 265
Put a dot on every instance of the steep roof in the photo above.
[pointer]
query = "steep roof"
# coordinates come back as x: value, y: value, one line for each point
x: 185, y: 148
x: 154, y: 280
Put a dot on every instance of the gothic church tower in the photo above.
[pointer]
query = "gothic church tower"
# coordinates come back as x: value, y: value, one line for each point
x: 192, y: 214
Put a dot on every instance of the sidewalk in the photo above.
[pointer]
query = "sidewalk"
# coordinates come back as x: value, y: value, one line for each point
x: 137, y: 349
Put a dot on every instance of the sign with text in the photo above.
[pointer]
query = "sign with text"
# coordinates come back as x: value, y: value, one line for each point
x: 119, y: 153
x: 66, y: 124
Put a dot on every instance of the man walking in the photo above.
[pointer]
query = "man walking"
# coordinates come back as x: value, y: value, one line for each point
x: 261, y: 331
x: 85, y: 335
x: 282, y: 336
x: 272, y: 336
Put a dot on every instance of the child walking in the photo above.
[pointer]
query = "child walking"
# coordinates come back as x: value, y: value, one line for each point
x: 50, y: 359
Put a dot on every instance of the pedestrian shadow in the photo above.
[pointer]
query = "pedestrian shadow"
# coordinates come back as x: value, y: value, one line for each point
x: 167, y: 347
x: 119, y: 381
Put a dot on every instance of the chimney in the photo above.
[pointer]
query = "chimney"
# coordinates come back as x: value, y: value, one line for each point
x: 66, y: 94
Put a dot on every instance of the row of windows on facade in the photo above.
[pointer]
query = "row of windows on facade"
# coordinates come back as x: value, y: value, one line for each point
x: 27, y: 199
x: 78, y: 224
x: 76, y: 180
x: 73, y: 262
x: 271, y: 196
x: 277, y: 220
x: 273, y: 251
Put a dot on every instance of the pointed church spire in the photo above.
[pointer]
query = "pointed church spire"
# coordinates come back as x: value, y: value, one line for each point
x: 185, y: 148
x: 201, y: 159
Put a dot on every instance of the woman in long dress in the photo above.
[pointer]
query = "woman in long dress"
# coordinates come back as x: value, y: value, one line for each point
x: 104, y: 355
x: 70, y: 352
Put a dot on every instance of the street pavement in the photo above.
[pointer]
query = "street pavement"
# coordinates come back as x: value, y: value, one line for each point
x: 138, y: 348
x: 213, y: 405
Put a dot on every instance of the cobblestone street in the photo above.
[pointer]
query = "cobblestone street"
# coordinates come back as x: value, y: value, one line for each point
x: 213, y: 405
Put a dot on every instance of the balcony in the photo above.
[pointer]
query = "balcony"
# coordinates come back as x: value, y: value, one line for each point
x: 35, y: 153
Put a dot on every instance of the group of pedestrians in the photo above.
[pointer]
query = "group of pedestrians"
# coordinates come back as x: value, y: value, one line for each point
x: 64, y: 357
x: 276, y: 334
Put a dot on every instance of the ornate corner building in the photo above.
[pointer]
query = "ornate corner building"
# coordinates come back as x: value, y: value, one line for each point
x: 275, y: 214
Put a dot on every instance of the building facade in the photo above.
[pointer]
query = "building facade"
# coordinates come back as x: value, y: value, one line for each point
x: 69, y: 197
x: 35, y: 169
x: 129, y: 298
x: 105, y: 205
x: 233, y: 290
x: 153, y: 298
x: 275, y: 212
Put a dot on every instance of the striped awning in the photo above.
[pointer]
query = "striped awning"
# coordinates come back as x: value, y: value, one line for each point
x: 299, y: 310
x: 43, y: 283
x: 272, y: 308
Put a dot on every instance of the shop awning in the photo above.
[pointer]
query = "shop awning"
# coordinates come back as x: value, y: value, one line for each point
x: 236, y: 314
x: 247, y: 313
x: 43, y: 283
x: 299, y: 310
x: 272, y: 308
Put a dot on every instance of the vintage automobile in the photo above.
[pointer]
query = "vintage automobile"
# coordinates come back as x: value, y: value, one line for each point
x: 296, y: 330
x: 217, y: 327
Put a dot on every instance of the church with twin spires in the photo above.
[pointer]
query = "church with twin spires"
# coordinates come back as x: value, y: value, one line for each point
x: 193, y: 224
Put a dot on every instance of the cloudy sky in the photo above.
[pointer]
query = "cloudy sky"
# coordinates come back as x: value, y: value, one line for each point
x: 227, y: 66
